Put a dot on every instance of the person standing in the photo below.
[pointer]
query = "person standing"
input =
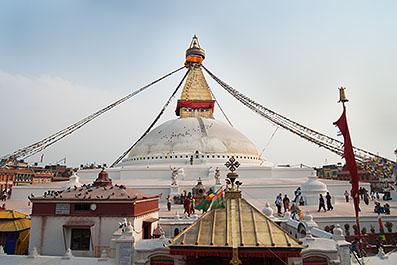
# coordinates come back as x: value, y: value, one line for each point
x: 193, y: 206
x: 298, y: 193
x: 286, y: 203
x: 186, y: 205
x: 301, y: 201
x: 329, y: 203
x: 321, y: 204
x: 366, y: 198
x: 278, y: 203
x: 346, y: 195
x: 169, y: 202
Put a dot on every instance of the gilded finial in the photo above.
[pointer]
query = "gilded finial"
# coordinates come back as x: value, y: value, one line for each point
x: 342, y: 95
x: 232, y: 183
x: 232, y: 164
x: 195, y: 54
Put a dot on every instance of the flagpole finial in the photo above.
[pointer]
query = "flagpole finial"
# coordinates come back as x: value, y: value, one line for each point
x: 342, y: 95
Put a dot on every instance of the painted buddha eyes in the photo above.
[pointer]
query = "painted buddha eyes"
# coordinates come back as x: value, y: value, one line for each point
x: 192, y: 110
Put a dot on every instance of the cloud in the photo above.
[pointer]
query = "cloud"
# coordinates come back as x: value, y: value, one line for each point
x: 33, y: 107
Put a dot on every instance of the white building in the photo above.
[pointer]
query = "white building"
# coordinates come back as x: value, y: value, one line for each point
x: 84, y: 218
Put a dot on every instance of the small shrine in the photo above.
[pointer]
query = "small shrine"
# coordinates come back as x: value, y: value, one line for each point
x: 237, y: 234
x: 199, y: 190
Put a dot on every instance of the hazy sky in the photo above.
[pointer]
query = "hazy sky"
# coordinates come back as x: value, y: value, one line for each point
x: 62, y: 60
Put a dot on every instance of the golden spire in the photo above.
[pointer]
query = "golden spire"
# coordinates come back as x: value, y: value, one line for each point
x: 196, y: 99
x: 342, y: 95
x: 195, y: 54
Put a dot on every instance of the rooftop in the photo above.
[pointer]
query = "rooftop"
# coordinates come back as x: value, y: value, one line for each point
x: 95, y: 193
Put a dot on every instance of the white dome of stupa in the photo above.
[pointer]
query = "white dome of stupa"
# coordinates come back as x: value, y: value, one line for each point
x: 196, y: 137
x: 203, y: 138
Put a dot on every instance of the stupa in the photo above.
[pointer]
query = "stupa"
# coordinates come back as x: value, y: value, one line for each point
x: 196, y: 145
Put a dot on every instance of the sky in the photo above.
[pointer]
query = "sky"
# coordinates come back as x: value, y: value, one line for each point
x: 63, y: 60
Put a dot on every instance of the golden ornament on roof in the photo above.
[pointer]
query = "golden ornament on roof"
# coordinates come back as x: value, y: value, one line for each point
x: 195, y: 54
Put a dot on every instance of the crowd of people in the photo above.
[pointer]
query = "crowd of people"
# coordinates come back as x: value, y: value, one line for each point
x: 373, y: 196
x: 188, y: 201
x: 379, y: 209
x: 284, y: 203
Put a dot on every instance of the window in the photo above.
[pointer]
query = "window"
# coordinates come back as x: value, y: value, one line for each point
x: 82, y: 207
x: 176, y: 232
x: 80, y: 239
x: 147, y: 228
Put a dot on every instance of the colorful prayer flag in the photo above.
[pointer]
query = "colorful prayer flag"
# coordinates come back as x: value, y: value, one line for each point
x: 218, y: 201
x: 205, y: 204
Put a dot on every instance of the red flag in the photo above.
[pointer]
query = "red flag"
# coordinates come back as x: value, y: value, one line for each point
x: 350, y: 161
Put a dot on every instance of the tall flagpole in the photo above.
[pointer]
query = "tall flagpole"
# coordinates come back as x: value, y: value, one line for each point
x: 350, y: 159
x: 395, y: 169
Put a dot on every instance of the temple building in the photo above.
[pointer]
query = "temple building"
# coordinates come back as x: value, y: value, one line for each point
x: 236, y: 234
x: 83, y: 218
x: 14, y: 232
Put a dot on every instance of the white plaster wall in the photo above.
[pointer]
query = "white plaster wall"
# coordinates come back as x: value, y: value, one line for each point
x: 35, y: 233
x: 365, y: 221
x: 163, y: 172
x: 22, y: 192
x: 138, y: 222
x: 102, y: 231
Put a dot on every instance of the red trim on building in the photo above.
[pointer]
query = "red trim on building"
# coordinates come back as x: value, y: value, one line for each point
x: 194, y: 105
x: 217, y: 252
x: 117, y: 208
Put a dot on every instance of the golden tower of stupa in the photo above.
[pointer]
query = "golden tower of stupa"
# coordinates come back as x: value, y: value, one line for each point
x: 196, y: 99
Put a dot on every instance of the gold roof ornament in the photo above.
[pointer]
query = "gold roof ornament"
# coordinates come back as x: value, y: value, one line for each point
x: 342, y: 95
x: 195, y: 54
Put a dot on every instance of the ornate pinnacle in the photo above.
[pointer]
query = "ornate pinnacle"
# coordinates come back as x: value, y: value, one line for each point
x: 232, y: 164
x: 342, y: 95
x: 231, y: 182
